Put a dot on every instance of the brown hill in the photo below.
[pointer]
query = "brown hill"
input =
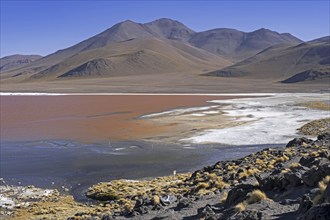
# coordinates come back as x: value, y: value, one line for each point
x: 305, y: 62
x: 238, y: 45
x: 16, y: 61
x: 134, y: 57
x: 192, y: 51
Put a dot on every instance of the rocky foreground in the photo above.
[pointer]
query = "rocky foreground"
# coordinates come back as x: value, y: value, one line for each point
x: 283, y: 183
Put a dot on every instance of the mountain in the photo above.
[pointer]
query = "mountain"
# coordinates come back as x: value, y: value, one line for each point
x: 160, y: 46
x: 309, y: 61
x: 16, y: 61
x: 237, y: 45
x: 169, y: 29
x: 133, y: 57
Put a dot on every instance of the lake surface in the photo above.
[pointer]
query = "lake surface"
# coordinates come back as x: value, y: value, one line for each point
x: 74, y: 141
x: 76, y: 166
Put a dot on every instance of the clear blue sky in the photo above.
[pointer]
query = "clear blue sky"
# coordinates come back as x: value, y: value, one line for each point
x: 43, y: 27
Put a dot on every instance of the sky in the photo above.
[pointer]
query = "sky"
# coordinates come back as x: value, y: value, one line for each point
x: 43, y: 27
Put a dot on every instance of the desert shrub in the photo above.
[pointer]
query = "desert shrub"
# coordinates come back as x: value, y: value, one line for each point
x: 223, y: 197
x: 256, y: 196
x: 324, y: 183
x: 240, y: 207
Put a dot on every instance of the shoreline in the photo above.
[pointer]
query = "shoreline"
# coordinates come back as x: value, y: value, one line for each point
x: 210, y: 191
x: 72, y: 170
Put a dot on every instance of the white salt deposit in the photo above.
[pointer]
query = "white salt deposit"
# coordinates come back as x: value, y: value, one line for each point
x: 273, y: 120
x: 197, y: 114
x: 6, y: 202
x: 181, y: 111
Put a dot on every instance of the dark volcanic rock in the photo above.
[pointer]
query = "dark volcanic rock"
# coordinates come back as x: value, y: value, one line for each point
x: 183, y: 203
x: 298, y: 142
x: 293, y: 179
x: 327, y: 193
x: 207, y: 213
x: 248, y: 215
x: 106, y: 217
x: 308, y: 161
x: 324, y: 137
x: 316, y: 174
x: 239, y: 194
x: 319, y: 212
x: 272, y: 182
x: 305, y: 204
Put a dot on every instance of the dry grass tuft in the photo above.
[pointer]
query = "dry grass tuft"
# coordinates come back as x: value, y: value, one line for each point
x: 324, y: 183
x: 256, y: 196
x: 294, y: 165
x: 240, y: 207
x: 314, y: 154
x: 200, y: 186
x: 156, y: 200
x: 223, y: 197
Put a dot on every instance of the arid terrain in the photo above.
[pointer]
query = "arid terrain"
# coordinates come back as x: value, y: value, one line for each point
x: 158, y: 121
x: 166, y: 56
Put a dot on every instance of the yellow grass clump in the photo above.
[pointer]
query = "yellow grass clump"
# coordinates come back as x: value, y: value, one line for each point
x: 212, y: 176
x: 286, y: 170
x: 243, y: 175
x: 219, y: 183
x: 256, y: 196
x: 223, y: 197
x: 240, y: 207
x: 200, y: 186
x: 324, y: 183
x: 156, y: 200
x: 314, y: 154
x: 294, y: 165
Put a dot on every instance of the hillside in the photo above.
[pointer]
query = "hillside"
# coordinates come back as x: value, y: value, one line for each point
x: 160, y: 46
x: 305, y: 62
x: 133, y: 57
x: 237, y: 45
x: 16, y: 61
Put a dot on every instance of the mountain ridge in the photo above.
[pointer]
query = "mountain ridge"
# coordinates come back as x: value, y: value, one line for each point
x: 308, y: 61
x: 168, y: 46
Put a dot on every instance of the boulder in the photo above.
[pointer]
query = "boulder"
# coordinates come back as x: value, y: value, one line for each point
x: 316, y: 174
x: 248, y: 215
x: 272, y: 181
x: 305, y: 204
x: 107, y: 217
x: 168, y: 199
x: 324, y: 137
x: 327, y: 193
x: 183, y: 203
x: 319, y: 212
x: 239, y: 194
x: 308, y: 161
x: 293, y: 179
x: 207, y: 213
x: 297, y: 142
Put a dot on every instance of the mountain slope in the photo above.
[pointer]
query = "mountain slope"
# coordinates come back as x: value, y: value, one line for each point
x: 192, y: 51
x: 304, y: 62
x: 237, y: 45
x: 133, y: 57
x: 169, y: 29
x: 16, y: 61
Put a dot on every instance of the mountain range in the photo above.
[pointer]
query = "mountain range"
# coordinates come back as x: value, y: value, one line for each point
x: 167, y: 46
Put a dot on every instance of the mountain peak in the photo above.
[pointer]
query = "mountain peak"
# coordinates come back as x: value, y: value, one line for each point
x: 169, y: 29
x: 166, y: 22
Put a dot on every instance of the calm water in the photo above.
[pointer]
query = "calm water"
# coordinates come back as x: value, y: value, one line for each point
x: 76, y: 166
